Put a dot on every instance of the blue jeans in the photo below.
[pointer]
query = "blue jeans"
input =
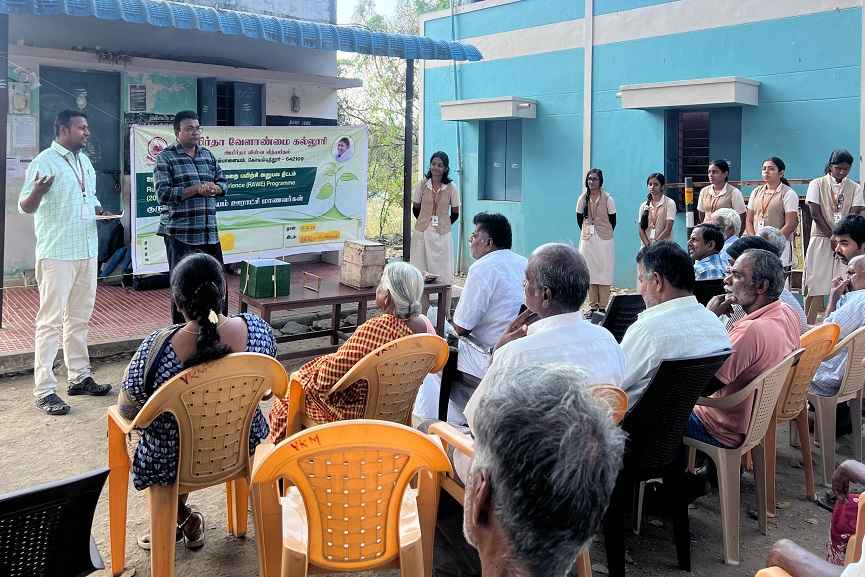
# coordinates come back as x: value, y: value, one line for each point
x: 697, y: 430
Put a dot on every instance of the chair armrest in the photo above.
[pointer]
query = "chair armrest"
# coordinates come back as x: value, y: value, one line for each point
x: 281, y: 392
x: 729, y: 401
x: 451, y: 436
x: 115, y: 418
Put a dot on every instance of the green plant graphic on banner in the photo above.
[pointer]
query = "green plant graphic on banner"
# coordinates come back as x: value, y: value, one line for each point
x: 336, y: 174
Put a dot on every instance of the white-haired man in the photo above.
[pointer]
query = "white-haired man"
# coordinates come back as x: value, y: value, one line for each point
x: 546, y: 459
x: 730, y: 223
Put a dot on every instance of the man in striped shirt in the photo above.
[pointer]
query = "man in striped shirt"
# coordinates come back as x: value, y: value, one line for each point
x: 187, y: 180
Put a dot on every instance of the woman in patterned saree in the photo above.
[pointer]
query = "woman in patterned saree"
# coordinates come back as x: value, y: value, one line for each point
x: 398, y: 297
x: 198, y: 290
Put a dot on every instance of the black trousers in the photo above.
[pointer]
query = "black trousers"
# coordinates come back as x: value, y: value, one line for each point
x: 176, y: 251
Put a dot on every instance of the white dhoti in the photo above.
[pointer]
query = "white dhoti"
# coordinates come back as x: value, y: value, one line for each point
x: 821, y: 266
x: 433, y: 253
x: 599, y: 255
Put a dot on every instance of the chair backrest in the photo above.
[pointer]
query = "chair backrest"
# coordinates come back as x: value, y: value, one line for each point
x: 352, y: 476
x: 45, y: 530
x: 657, y: 422
x: 704, y: 290
x: 615, y: 398
x: 854, y: 373
x: 767, y: 389
x: 817, y: 342
x: 621, y: 313
x: 395, y: 372
x: 213, y: 404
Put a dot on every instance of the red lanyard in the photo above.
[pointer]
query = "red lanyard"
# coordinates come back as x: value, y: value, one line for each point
x: 80, y: 178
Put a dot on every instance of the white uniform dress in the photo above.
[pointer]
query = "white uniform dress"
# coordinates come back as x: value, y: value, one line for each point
x: 598, y: 251
x: 820, y: 264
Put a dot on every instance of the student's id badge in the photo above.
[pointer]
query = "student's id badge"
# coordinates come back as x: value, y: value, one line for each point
x: 652, y: 234
x: 760, y: 224
x: 836, y: 217
x: 87, y: 212
x: 591, y: 230
x: 435, y: 221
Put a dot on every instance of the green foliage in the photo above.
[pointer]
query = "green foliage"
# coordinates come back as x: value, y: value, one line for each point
x: 380, y: 104
x: 326, y: 191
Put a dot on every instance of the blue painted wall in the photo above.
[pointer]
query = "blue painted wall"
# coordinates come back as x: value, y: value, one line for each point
x: 808, y: 67
x: 514, y: 16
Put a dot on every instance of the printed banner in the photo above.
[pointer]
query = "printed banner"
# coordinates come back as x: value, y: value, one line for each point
x: 291, y: 190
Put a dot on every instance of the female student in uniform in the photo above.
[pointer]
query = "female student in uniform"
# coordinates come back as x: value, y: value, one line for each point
x: 436, y: 206
x: 830, y: 198
x: 774, y: 204
x: 720, y: 193
x: 657, y: 213
x: 596, y: 217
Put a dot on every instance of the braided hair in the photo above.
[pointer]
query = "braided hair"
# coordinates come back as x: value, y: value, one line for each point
x: 600, y: 174
x: 198, y: 289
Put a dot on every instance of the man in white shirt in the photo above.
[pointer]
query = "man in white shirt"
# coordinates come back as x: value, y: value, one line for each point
x: 674, y: 324
x: 847, y: 309
x: 552, y: 328
x: 493, y: 293
x: 489, y: 302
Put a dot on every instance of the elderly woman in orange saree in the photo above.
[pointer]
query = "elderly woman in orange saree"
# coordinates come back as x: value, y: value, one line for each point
x: 398, y: 296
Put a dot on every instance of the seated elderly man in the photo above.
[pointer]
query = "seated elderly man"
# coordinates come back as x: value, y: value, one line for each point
x: 847, y: 309
x: 734, y: 312
x: 704, y: 246
x: 800, y: 562
x: 730, y: 223
x: 546, y: 460
x: 552, y: 329
x: 673, y: 325
x: 490, y: 300
x: 768, y: 333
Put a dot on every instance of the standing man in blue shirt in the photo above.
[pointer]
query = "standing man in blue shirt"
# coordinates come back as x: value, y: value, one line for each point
x: 60, y: 191
x: 187, y: 179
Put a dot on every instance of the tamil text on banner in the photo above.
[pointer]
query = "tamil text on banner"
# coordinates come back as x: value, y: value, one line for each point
x: 291, y: 190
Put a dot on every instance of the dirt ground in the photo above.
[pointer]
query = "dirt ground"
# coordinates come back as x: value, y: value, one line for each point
x: 35, y: 448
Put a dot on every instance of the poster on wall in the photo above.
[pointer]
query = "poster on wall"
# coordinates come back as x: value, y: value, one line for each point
x: 291, y: 190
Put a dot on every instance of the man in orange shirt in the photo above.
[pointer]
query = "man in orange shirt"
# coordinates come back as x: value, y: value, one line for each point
x: 761, y: 339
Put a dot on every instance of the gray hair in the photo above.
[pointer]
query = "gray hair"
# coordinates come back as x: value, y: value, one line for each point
x: 552, y: 455
x: 562, y: 269
x: 404, y: 282
x: 727, y: 219
x: 774, y: 237
x: 766, y: 266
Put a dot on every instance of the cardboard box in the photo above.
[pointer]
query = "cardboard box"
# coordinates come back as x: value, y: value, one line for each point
x: 265, y: 278
x: 362, y: 263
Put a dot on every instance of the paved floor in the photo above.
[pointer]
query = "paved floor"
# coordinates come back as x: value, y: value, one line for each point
x: 120, y: 314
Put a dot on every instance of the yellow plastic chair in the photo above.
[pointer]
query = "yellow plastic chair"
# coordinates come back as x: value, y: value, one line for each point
x: 763, y: 392
x: 616, y: 399
x: 346, y: 501
x: 213, y: 404
x: 792, y: 407
x: 854, y: 546
x: 850, y: 390
x: 394, y: 372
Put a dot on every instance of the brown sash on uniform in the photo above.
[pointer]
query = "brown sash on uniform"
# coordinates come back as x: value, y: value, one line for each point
x: 769, y: 208
x: 830, y: 205
x: 599, y: 217
x: 660, y: 217
x: 434, y: 203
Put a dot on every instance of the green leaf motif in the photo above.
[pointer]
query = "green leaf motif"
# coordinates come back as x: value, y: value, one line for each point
x: 326, y: 191
x: 347, y: 177
x: 330, y: 169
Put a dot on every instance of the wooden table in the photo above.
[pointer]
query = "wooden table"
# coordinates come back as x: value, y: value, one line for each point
x: 332, y: 293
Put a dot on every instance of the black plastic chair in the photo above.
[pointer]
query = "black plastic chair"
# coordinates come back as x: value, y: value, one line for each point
x: 45, y: 530
x: 621, y: 313
x: 704, y: 290
x: 655, y: 426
